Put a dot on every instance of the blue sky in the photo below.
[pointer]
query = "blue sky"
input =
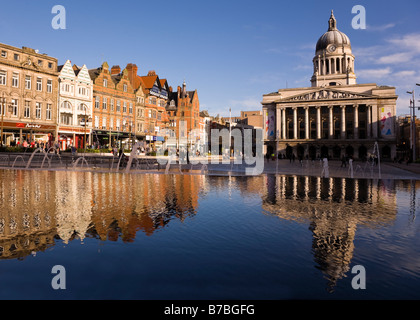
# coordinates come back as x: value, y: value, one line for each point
x: 231, y: 51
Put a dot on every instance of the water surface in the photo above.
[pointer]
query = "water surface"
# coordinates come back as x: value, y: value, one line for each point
x: 156, y: 236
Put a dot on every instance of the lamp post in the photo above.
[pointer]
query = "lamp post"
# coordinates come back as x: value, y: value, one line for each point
x: 413, y: 125
x: 3, y: 103
x: 3, y: 110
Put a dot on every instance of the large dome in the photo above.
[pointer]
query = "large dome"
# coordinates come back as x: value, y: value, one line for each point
x: 332, y: 36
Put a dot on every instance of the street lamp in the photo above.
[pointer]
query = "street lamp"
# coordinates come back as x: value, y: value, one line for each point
x: 3, y: 106
x: 85, y: 121
x: 413, y: 124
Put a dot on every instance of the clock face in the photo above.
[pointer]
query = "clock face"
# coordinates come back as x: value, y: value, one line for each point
x: 332, y: 48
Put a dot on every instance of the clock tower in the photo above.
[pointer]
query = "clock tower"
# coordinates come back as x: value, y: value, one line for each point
x: 333, y: 62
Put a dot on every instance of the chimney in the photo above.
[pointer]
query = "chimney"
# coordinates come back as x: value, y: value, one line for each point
x: 115, y: 70
x: 132, y: 71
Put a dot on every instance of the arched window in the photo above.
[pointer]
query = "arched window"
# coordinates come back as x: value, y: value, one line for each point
x: 66, y: 105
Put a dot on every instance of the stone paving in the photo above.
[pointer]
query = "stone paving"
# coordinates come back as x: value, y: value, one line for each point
x: 106, y: 163
x: 384, y: 170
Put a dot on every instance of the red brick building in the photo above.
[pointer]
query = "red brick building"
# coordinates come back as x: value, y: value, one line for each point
x: 184, y: 106
x: 113, y: 107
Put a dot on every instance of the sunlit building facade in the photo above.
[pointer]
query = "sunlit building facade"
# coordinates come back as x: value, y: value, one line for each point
x: 334, y: 117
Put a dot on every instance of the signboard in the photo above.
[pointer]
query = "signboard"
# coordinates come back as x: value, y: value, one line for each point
x: 386, y: 122
x: 270, y: 124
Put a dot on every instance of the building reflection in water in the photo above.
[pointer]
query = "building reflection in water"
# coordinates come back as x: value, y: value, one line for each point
x: 38, y: 208
x: 333, y: 208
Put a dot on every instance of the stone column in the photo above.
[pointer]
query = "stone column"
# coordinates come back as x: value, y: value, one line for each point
x: 319, y: 65
x: 318, y: 122
x: 369, y: 122
x: 307, y: 123
x: 343, y: 122
x: 374, y: 121
x: 283, y: 119
x: 295, y: 128
x: 331, y: 122
x: 356, y: 122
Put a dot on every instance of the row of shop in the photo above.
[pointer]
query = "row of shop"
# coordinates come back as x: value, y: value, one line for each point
x: 27, y: 134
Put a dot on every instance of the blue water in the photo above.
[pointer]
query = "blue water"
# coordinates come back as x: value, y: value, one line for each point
x: 195, y: 237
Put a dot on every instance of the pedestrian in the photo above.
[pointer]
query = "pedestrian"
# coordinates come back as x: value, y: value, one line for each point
x: 343, y: 161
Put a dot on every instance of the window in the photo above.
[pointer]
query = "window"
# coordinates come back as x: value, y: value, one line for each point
x: 65, y: 87
x: 15, y: 108
x: 28, y: 82
x: 3, y: 54
x: 27, y: 110
x: 49, y: 86
x: 16, y: 57
x: 38, y: 109
x: 15, y: 80
x: 48, y: 115
x: 3, y: 77
x: 66, y: 119
x: 96, y: 122
x: 111, y: 123
x: 38, y: 84
x: 112, y: 104
x: 104, y: 123
x: 118, y: 124
x: 104, y: 103
x: 150, y: 113
x: 130, y: 110
x: 82, y: 91
x: 66, y: 105
x: 125, y: 88
x: 118, y: 105
x: 50, y: 65
x: 40, y: 63
x: 159, y: 116
x: 105, y: 83
x: 125, y: 106
x: 96, y: 102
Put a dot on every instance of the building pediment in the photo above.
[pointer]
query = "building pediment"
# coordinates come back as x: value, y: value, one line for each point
x: 326, y: 94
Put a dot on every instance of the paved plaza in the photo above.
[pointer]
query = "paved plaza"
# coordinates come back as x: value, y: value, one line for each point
x: 143, y: 164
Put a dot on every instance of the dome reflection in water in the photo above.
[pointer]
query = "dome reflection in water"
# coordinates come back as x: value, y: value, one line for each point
x: 207, y: 237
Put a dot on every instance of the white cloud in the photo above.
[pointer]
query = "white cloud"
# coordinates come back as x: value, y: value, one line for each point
x: 395, y: 58
x: 409, y: 42
x: 380, y: 28
x: 374, y: 73
x: 406, y: 73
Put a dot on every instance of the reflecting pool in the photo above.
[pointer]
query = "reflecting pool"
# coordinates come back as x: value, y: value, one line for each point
x: 157, y: 236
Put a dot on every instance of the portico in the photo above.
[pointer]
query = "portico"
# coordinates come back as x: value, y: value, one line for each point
x: 335, y: 116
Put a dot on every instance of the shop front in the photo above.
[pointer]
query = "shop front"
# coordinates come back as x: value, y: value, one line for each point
x: 28, y: 134
x: 110, y: 139
x: 71, y: 136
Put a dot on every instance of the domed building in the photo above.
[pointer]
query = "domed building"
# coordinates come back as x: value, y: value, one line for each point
x: 335, y: 117
x: 333, y: 61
